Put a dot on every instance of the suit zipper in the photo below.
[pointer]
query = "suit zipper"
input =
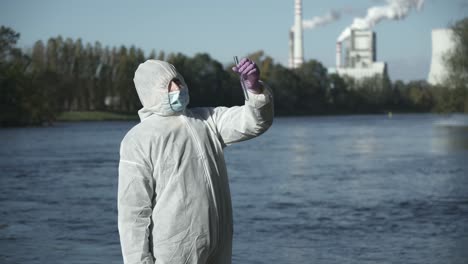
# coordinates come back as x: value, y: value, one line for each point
x: 205, y: 167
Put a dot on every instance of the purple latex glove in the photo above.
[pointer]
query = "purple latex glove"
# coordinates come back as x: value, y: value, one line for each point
x: 249, y: 73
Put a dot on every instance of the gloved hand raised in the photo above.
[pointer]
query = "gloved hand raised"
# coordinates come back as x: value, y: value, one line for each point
x: 250, y: 74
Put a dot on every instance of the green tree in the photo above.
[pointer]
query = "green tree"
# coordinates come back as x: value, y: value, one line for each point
x: 457, y: 62
x: 8, y: 39
x: 313, y: 87
x: 38, y: 60
x: 338, y: 95
x: 420, y: 95
x: 24, y: 99
x: 285, y: 85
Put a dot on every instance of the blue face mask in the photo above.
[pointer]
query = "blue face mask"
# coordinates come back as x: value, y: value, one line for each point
x: 178, y: 100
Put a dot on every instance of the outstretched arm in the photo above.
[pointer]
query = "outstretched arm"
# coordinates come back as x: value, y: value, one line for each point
x: 240, y: 123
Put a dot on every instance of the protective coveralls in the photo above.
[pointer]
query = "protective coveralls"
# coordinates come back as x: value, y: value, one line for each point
x: 174, y: 202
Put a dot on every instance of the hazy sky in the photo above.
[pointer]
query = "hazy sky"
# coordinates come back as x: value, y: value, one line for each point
x: 226, y: 28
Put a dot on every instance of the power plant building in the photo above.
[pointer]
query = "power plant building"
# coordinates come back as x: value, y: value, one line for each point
x: 356, y: 52
x: 359, y: 51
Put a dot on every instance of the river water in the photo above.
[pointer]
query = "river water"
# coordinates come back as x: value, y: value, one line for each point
x: 346, y: 189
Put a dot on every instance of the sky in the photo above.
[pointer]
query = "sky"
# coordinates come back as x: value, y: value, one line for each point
x: 227, y: 28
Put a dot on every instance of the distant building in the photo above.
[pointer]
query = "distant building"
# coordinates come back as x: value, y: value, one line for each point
x: 360, y: 55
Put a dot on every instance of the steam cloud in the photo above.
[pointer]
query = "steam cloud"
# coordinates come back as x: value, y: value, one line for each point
x: 394, y: 10
x: 318, y: 21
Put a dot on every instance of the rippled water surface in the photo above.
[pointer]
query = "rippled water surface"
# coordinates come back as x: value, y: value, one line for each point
x: 357, y: 189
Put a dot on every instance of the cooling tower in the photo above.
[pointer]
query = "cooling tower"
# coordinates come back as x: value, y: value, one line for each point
x: 442, y: 43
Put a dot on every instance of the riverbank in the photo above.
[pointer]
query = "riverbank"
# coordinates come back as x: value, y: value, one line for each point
x: 73, y: 116
x: 95, y: 116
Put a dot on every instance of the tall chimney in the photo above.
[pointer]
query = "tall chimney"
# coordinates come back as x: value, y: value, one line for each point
x: 291, y: 48
x: 338, y: 54
x: 298, y: 41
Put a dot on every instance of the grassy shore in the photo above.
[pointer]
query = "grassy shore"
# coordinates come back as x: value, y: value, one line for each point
x: 94, y: 116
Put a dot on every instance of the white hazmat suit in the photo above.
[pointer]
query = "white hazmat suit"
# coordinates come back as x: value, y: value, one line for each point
x: 174, y: 203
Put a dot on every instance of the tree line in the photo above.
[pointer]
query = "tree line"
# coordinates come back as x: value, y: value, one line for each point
x: 69, y: 75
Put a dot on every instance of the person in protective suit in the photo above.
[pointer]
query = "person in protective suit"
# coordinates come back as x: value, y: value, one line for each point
x: 174, y: 202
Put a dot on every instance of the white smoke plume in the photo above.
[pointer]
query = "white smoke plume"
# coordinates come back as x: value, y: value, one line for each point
x: 394, y: 10
x: 318, y: 21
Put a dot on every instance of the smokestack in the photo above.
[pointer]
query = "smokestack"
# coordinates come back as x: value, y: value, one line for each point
x: 298, y: 41
x: 291, y: 48
x: 338, y: 54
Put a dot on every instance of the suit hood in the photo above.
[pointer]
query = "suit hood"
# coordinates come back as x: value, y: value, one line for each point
x: 152, y: 79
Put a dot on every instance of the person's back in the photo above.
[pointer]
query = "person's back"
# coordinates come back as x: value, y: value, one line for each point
x: 174, y: 201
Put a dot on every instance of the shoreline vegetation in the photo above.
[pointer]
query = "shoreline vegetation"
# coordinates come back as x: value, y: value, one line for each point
x: 83, y: 116
x: 68, y: 80
x: 78, y: 116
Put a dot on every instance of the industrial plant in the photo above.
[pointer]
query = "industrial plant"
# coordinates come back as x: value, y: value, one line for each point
x: 359, y: 51
x: 356, y: 47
